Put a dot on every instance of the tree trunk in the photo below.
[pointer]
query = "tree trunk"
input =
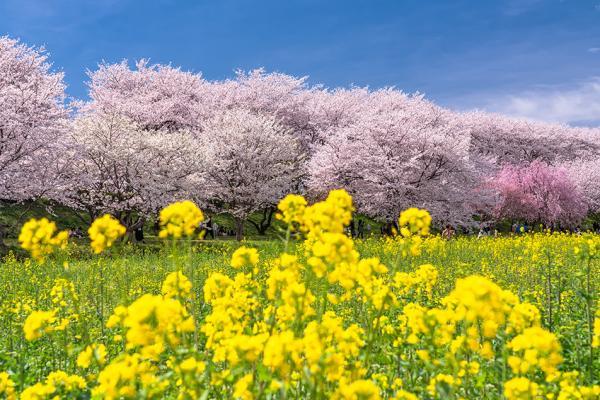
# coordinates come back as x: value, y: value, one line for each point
x: 128, y: 220
x: 3, y: 246
x: 239, y: 228
x: 265, y: 222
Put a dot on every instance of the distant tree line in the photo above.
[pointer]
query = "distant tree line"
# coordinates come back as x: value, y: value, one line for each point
x: 153, y: 134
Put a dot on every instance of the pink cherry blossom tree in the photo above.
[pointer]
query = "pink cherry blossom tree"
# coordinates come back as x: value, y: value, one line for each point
x: 166, y: 98
x: 134, y: 146
x: 250, y: 161
x: 401, y: 151
x: 281, y: 96
x: 497, y: 140
x: 154, y: 133
x: 33, y: 118
x: 586, y: 176
x: 156, y: 97
x: 114, y: 165
x: 331, y: 109
x: 538, y: 193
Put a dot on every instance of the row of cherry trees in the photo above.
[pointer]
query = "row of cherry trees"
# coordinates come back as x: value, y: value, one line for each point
x: 153, y: 134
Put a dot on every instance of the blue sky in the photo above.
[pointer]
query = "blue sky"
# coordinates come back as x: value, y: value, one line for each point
x: 533, y: 58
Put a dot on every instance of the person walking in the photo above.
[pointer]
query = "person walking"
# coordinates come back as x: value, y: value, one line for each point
x: 139, y: 234
x: 209, y: 227
x: 449, y: 232
x: 361, y: 228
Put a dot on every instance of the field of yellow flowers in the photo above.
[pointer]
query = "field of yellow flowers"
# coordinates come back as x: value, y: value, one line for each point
x: 316, y: 316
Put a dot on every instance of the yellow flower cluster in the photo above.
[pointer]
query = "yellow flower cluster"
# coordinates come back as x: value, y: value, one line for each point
x: 536, y: 347
x: 152, y: 326
x: 522, y: 316
x: 94, y: 353
x: 422, y: 325
x: 39, y: 323
x: 180, y: 219
x: 521, y: 388
x: 232, y: 303
x: 483, y: 307
x: 191, y: 374
x: 291, y: 209
x: 128, y: 377
x: 414, y: 221
x: 152, y: 323
x: 176, y: 285
x: 329, y: 348
x: 570, y: 387
x: 417, y: 283
x: 7, y: 386
x: 330, y: 249
x: 58, y: 384
x: 244, y: 257
x: 104, y: 231
x: 442, y: 384
x: 414, y: 226
x: 40, y: 238
x: 331, y: 215
x: 359, y: 389
x: 63, y: 297
x: 292, y: 301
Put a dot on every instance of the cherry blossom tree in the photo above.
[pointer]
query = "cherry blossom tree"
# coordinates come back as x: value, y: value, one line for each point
x: 538, y: 193
x: 331, y: 109
x: 114, y: 165
x: 586, y: 176
x: 402, y: 151
x: 164, y: 97
x: 154, y: 133
x: 142, y: 123
x: 497, y: 140
x: 156, y: 97
x: 33, y: 118
x: 281, y: 96
x: 250, y: 161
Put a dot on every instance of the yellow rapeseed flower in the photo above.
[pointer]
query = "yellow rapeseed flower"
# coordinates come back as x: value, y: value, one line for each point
x: 444, y: 382
x: 40, y: 237
x: 38, y: 323
x: 360, y: 389
x: 331, y: 215
x: 124, y: 376
x: 104, y: 231
x: 414, y: 221
x: 92, y: 353
x: 520, y: 388
x: 7, y: 386
x: 176, y: 284
x: 535, y: 347
x: 58, y: 384
x: 241, y: 389
x: 404, y: 395
x: 291, y: 209
x: 180, y: 219
x: 244, y: 257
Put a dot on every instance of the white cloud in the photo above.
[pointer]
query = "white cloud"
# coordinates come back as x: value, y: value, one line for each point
x: 576, y: 105
x: 594, y: 49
